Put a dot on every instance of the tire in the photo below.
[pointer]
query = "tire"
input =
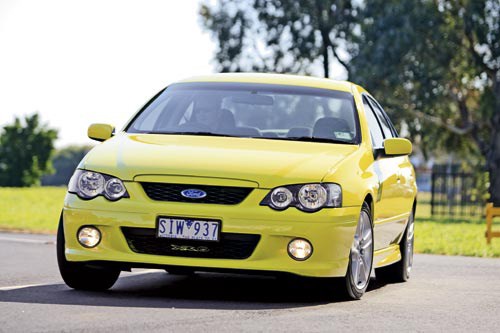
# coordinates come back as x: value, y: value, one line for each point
x: 355, y: 283
x: 77, y: 275
x: 400, y: 271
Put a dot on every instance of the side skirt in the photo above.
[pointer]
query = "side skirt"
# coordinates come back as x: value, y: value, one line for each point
x: 387, y: 256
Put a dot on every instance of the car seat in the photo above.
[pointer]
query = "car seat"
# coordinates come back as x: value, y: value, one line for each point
x: 326, y: 127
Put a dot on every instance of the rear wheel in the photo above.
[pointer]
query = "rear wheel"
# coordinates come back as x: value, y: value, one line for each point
x: 78, y: 275
x: 400, y: 271
x: 354, y: 284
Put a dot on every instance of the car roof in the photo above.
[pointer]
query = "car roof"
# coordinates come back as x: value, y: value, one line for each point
x: 283, y: 79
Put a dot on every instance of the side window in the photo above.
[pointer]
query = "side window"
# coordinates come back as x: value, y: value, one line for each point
x: 386, y: 129
x: 375, y: 131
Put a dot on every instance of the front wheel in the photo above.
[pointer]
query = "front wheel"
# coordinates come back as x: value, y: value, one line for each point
x: 354, y: 284
x: 78, y: 275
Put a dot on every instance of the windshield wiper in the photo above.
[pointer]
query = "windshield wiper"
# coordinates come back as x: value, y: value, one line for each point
x: 293, y: 138
x: 315, y: 139
x: 193, y: 133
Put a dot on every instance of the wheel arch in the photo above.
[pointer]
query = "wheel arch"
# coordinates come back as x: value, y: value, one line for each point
x: 369, y: 200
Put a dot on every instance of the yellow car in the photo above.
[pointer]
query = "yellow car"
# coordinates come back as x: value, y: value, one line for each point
x: 253, y: 173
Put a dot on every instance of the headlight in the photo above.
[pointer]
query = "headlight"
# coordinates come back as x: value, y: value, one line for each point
x: 89, y: 184
x: 306, y: 197
x: 281, y: 197
x: 114, y: 189
x: 334, y: 195
x: 312, y: 196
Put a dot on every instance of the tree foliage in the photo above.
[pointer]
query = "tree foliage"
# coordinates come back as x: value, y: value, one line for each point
x: 432, y: 63
x: 437, y: 63
x: 64, y: 162
x: 279, y: 35
x: 25, y: 151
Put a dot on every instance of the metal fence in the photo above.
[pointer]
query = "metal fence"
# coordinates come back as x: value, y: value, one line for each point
x: 456, y: 193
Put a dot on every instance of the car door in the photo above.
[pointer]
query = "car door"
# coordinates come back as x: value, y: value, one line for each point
x: 387, y: 224
x: 405, y: 192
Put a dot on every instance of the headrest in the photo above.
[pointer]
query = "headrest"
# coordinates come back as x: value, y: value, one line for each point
x: 226, y: 120
x: 326, y: 127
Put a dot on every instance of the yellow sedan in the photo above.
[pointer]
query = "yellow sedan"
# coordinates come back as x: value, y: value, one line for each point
x: 253, y: 173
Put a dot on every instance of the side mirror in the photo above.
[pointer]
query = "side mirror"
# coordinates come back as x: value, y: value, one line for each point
x: 100, y: 132
x: 397, y: 146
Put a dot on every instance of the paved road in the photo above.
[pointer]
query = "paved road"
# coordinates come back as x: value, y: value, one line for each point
x: 444, y: 294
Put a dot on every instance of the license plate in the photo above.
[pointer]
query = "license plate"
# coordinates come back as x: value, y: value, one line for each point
x: 181, y: 228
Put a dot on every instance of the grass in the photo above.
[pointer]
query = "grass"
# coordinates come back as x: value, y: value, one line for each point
x: 454, y: 238
x: 37, y: 209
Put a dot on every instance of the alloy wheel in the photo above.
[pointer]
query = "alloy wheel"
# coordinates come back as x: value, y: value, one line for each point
x: 409, y: 245
x: 362, y: 252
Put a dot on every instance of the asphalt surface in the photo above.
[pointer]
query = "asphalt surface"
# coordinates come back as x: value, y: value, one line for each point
x: 444, y: 294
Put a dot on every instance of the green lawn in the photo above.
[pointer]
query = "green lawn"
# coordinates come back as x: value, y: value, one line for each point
x: 454, y: 238
x: 37, y: 209
x: 458, y: 236
x: 33, y: 209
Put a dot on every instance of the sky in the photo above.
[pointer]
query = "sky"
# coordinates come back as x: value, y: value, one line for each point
x: 78, y: 62
x: 82, y: 62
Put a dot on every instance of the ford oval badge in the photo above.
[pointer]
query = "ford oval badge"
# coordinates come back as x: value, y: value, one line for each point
x: 193, y: 193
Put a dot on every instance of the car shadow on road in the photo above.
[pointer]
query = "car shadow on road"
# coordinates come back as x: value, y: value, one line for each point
x: 200, y: 291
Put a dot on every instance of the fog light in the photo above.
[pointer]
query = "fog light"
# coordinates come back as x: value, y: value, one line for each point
x: 300, y: 249
x: 89, y: 236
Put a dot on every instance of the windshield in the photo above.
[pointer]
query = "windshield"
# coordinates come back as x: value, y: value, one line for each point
x: 251, y: 110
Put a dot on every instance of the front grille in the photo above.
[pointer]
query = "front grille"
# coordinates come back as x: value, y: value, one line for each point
x: 230, y: 246
x: 222, y: 195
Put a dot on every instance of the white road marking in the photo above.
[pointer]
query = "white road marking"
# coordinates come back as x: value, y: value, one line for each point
x: 24, y: 286
x: 145, y: 271
x: 25, y: 240
x: 141, y: 272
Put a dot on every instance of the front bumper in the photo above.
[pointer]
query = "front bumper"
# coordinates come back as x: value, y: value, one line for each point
x: 330, y: 231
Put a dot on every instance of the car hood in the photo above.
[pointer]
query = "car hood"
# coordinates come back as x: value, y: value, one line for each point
x: 265, y: 162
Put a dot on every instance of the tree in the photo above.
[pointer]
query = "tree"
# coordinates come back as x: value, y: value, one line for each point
x: 65, y: 162
x: 25, y: 150
x: 279, y: 35
x: 434, y: 62
x: 437, y: 62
